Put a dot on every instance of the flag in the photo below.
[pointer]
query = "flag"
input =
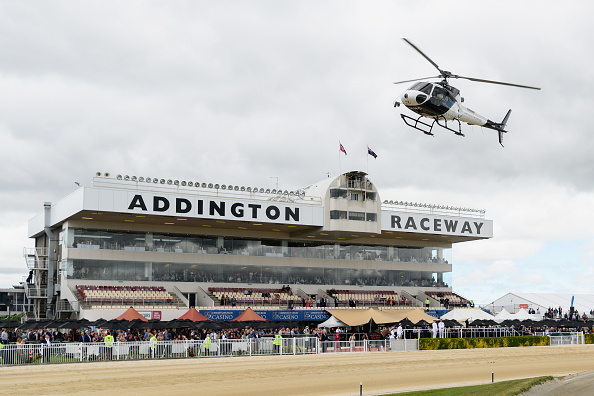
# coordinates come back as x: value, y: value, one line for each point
x: 370, y: 152
x: 342, y: 148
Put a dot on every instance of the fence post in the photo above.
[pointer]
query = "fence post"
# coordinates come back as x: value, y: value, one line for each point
x: 294, y: 346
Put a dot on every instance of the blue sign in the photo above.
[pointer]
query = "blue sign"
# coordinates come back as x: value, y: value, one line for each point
x: 273, y: 315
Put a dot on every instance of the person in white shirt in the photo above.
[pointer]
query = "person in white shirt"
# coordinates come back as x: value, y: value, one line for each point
x: 441, y: 329
x: 434, y: 329
x: 399, y: 331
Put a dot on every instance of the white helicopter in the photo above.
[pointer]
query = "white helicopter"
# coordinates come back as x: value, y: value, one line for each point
x: 441, y: 102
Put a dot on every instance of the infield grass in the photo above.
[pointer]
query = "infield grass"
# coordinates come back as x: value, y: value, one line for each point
x: 504, y: 388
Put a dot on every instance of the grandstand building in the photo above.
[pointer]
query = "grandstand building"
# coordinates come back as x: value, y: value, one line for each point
x: 164, y: 245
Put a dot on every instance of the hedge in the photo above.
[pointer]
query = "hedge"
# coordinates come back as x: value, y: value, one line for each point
x: 588, y: 338
x: 482, y: 342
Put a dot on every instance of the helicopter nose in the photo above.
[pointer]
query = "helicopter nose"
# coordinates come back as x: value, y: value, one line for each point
x: 413, y: 98
x: 421, y: 98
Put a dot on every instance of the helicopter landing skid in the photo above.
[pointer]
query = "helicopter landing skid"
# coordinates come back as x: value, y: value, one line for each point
x: 445, y: 126
x: 414, y: 123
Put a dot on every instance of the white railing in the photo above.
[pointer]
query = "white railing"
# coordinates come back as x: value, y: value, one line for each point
x: 567, y: 338
x: 15, y: 354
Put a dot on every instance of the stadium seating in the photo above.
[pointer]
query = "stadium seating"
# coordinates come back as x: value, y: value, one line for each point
x: 277, y: 296
x: 369, y: 297
x: 454, y: 299
x: 112, y: 296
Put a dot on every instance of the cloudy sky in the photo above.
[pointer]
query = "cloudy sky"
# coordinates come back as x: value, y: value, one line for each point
x: 239, y: 92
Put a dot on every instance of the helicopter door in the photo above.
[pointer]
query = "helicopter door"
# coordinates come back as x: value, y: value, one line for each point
x: 440, y: 102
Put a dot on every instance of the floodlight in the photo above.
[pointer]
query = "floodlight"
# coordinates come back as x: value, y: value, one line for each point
x: 162, y: 181
x: 204, y: 185
x: 242, y: 188
x: 216, y: 186
x: 155, y: 180
x: 285, y: 192
x: 223, y: 187
x: 119, y: 177
x: 230, y: 187
x: 141, y: 179
x: 98, y: 174
x: 133, y: 178
x: 261, y: 190
x: 267, y: 191
x: 236, y: 188
x: 183, y: 183
x: 274, y: 190
x: 249, y: 189
x: 176, y: 182
x: 190, y: 184
x: 209, y: 185
x: 126, y: 177
x: 106, y: 174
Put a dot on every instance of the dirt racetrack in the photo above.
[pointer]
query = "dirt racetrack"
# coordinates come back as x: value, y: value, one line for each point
x: 329, y: 374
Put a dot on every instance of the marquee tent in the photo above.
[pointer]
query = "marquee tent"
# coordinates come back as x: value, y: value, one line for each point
x: 521, y: 315
x: 193, y: 315
x: 462, y: 314
x: 332, y: 322
x: 358, y: 317
x: 131, y: 314
x: 249, y: 316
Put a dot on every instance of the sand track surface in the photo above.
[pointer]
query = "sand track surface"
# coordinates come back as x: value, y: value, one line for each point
x: 328, y: 374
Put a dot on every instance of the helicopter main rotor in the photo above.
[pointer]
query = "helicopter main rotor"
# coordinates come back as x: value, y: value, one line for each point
x: 446, y: 74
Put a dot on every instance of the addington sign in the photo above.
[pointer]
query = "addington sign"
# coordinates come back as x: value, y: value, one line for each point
x: 229, y: 209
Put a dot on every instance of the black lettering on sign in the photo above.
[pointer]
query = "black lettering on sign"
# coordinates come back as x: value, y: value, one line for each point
x: 396, y: 221
x: 451, y: 225
x: 237, y: 209
x: 272, y: 212
x: 160, y: 204
x: 254, y: 208
x: 137, y: 202
x: 424, y: 221
x: 410, y: 223
x: 182, y: 205
x: 293, y: 214
x: 220, y: 209
x: 466, y: 228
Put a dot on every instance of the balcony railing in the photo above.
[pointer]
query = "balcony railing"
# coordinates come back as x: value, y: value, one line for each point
x: 33, y: 292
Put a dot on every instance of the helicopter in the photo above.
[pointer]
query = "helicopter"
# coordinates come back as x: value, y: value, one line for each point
x: 442, y: 102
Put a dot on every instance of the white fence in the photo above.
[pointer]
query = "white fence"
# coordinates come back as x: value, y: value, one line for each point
x: 15, y: 354
x: 570, y: 338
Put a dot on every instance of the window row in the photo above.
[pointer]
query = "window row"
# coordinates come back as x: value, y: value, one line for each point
x: 360, y: 216
x: 177, y: 272
x: 109, y: 240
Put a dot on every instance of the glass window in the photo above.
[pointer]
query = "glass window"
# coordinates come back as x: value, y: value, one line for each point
x: 357, y: 216
x: 354, y: 196
x: 370, y: 196
x: 371, y: 216
x: 338, y: 193
x: 338, y: 214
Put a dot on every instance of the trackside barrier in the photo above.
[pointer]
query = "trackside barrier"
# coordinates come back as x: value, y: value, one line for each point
x: 567, y: 338
x: 17, y: 354
x: 369, y: 345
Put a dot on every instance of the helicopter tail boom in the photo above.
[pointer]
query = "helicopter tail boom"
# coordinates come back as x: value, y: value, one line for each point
x: 499, y: 127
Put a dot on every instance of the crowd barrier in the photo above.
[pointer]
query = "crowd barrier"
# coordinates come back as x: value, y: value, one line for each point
x: 17, y: 354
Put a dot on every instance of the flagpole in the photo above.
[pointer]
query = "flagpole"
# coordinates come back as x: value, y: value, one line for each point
x: 367, y: 156
x: 339, y: 161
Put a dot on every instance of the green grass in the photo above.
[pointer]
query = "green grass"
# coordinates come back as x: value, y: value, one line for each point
x: 504, y: 388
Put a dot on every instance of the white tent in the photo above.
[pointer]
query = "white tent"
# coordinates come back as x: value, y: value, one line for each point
x: 521, y: 315
x: 332, y: 322
x: 461, y: 314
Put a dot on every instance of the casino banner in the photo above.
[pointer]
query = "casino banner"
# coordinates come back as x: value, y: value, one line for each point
x: 273, y: 315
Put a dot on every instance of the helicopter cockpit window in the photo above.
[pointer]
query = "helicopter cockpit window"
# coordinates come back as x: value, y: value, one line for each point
x: 418, y: 86
x: 426, y: 88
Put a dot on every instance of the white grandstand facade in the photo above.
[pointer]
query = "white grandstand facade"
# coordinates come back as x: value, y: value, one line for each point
x: 143, y: 236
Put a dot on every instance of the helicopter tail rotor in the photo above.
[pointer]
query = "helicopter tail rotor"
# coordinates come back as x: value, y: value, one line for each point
x: 499, y: 127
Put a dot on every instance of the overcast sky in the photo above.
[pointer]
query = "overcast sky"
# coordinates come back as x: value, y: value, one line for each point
x: 239, y: 92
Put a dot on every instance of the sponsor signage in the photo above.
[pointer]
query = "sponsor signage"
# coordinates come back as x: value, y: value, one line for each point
x: 436, y: 224
x: 194, y: 206
x: 273, y: 315
x: 525, y: 306
x: 151, y: 314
